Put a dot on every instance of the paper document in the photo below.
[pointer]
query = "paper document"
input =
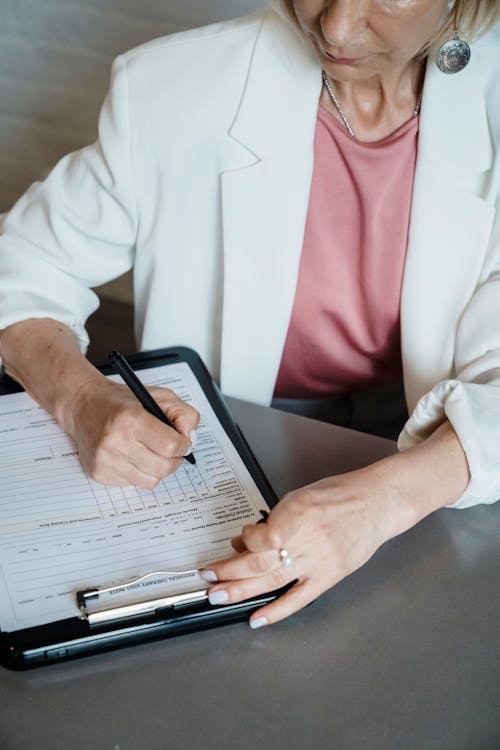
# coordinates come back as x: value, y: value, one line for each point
x: 61, y: 532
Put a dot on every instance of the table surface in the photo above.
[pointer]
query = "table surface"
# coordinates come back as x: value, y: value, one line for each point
x: 403, y: 654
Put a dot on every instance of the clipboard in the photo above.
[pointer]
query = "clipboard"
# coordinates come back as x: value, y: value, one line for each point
x: 152, y: 619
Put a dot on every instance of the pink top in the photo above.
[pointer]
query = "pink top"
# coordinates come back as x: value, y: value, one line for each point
x: 344, y: 332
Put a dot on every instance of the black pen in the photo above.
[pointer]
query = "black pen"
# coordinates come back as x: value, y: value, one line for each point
x: 129, y: 377
x: 265, y: 516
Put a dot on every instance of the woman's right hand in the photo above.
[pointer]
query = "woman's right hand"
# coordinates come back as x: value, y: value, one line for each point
x: 119, y: 442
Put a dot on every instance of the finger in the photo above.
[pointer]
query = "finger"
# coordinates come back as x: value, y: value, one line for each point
x: 244, y: 565
x: 283, y: 523
x: 121, y: 455
x: 299, y: 596
x: 151, y: 464
x: 238, y: 544
x: 183, y: 415
x: 143, y: 480
x: 159, y: 438
x: 119, y: 472
x: 230, y: 592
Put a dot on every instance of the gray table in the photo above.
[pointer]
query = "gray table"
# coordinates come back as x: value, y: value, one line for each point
x: 403, y: 654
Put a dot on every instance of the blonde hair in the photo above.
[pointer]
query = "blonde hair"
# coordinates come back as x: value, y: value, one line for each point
x: 472, y: 18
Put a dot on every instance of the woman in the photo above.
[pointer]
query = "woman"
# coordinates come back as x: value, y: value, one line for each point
x: 212, y: 163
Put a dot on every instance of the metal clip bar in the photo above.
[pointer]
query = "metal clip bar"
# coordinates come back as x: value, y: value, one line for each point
x: 139, y: 608
x: 143, y: 608
x: 81, y: 596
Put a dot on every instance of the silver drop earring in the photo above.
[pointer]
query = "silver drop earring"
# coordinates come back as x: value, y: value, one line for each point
x: 453, y: 55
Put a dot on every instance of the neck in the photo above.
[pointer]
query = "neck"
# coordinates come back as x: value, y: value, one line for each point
x: 378, y: 105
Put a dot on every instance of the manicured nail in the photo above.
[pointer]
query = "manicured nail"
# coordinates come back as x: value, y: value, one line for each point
x: 209, y: 575
x: 259, y: 622
x: 218, y: 597
x: 194, y: 439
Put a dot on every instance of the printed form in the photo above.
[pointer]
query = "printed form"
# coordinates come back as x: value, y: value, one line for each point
x: 61, y: 532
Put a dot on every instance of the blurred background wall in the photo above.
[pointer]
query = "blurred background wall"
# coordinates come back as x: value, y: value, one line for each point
x: 55, y: 58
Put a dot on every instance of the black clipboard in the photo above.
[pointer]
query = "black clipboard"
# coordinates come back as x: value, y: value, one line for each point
x: 75, y: 637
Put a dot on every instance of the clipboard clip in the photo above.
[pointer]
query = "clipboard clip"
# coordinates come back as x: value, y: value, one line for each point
x: 137, y: 609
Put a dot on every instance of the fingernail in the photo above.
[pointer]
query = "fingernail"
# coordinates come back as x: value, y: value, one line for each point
x: 209, y: 575
x: 194, y: 439
x: 259, y: 622
x: 218, y: 597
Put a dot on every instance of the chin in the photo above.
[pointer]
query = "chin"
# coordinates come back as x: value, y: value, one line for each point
x: 347, y: 72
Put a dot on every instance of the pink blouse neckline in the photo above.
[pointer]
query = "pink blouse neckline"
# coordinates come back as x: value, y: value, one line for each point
x: 344, y: 332
x: 403, y: 129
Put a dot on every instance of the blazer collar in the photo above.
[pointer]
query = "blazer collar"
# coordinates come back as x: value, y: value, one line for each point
x: 284, y: 81
x: 281, y: 91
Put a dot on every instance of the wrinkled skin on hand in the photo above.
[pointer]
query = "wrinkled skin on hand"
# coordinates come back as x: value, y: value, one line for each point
x: 120, y: 443
x: 332, y: 527
x: 329, y: 528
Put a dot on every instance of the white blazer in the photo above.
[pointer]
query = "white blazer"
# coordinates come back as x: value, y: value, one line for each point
x: 201, y: 178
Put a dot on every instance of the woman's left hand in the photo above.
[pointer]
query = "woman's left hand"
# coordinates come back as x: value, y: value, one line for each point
x: 329, y: 529
x: 332, y: 527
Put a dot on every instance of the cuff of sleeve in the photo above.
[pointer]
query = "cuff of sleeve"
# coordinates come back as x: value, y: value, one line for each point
x: 473, y: 410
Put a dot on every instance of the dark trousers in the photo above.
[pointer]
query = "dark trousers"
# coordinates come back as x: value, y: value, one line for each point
x: 379, y: 411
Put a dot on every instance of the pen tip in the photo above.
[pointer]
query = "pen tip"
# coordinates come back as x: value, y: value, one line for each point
x: 191, y: 459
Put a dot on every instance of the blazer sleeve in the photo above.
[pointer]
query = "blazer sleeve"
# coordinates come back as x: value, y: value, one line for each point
x: 76, y: 229
x: 471, y: 401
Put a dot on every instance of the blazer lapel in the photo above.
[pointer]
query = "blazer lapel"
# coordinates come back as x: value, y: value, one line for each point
x: 450, y: 225
x: 265, y: 207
